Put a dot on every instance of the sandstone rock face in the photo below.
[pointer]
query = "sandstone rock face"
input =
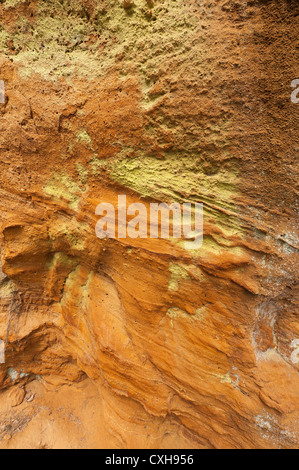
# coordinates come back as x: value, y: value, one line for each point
x: 131, y: 343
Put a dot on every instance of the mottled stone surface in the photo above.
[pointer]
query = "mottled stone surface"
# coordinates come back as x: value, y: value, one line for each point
x: 139, y: 342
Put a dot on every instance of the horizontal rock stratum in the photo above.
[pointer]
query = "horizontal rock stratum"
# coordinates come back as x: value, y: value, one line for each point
x: 141, y: 343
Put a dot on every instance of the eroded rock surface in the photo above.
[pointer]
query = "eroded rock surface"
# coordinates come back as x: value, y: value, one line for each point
x: 139, y: 342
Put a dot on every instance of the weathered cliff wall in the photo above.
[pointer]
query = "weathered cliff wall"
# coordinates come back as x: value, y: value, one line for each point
x: 140, y: 342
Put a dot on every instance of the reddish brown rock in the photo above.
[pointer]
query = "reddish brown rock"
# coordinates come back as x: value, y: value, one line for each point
x: 131, y: 343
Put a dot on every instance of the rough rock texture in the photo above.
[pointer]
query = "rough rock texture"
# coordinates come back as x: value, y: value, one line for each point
x: 139, y: 342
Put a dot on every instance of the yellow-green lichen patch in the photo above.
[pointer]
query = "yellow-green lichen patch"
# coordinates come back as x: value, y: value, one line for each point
x: 61, y: 186
x: 82, y: 172
x: 176, y: 313
x: 12, y: 3
x: 178, y: 273
x: 176, y: 178
x: 75, y: 233
x: 51, y: 43
x: 81, y: 282
x: 183, y: 178
x: 224, y: 378
x: 60, y: 259
x: 210, y: 249
x: 66, y: 38
x: 7, y: 287
x: 4, y: 37
x: 59, y: 266
x: 97, y: 165
x: 69, y: 231
x: 84, y: 137
x: 208, y: 246
x: 73, y: 277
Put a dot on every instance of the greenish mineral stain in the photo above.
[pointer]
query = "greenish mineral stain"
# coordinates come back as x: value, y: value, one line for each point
x: 178, y: 273
x: 176, y: 178
x: 61, y: 186
x: 97, y: 165
x: 82, y: 172
x: 11, y: 3
x: 55, y: 41
x: 175, y: 313
x: 84, y: 137
x: 60, y: 258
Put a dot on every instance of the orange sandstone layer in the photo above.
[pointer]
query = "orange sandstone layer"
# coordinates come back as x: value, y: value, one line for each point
x: 131, y: 343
